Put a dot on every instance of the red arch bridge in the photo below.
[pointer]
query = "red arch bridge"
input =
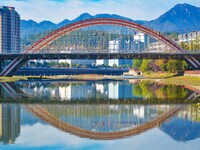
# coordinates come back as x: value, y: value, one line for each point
x: 101, y: 38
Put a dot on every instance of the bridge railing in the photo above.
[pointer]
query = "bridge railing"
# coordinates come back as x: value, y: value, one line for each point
x: 112, y: 52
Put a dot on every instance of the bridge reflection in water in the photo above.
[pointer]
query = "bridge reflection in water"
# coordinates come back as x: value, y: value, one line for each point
x: 103, y: 122
x: 100, y: 121
x: 83, y: 128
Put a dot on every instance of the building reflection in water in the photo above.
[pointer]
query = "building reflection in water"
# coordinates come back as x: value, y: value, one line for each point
x: 9, y: 122
x: 102, y: 90
x: 79, y: 90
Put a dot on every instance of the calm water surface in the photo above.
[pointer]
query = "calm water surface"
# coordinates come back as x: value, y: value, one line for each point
x: 98, y: 115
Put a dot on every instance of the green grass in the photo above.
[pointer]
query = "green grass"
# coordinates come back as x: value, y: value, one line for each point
x: 159, y: 75
x: 79, y: 77
x: 183, y: 80
x: 13, y: 79
x: 171, y: 78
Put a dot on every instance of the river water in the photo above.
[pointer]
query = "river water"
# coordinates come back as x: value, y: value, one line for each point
x: 98, y: 115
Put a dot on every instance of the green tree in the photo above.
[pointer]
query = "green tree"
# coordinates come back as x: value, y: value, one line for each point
x: 77, y: 65
x: 161, y: 63
x: 62, y: 64
x: 172, y: 65
x: 145, y: 65
x: 137, y: 63
x: 115, y: 66
x: 38, y: 64
x: 182, y: 65
x: 67, y: 65
x: 32, y: 63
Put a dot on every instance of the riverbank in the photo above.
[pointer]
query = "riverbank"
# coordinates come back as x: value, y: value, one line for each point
x: 168, y: 78
x: 71, y: 77
x: 13, y: 79
x: 183, y: 80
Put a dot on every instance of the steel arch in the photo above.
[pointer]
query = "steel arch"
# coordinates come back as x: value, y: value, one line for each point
x: 100, y: 21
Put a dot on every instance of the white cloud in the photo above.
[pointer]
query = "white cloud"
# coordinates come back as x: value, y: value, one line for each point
x: 69, y: 9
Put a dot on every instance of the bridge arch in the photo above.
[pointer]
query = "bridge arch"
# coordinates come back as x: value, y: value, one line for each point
x: 37, y: 46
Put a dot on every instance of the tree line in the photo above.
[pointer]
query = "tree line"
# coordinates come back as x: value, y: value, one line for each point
x: 169, y: 65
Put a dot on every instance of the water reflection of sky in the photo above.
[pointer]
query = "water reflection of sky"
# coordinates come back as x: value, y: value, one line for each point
x: 41, y: 136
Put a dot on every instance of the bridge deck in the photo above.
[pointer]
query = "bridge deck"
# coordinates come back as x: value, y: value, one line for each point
x: 98, y: 56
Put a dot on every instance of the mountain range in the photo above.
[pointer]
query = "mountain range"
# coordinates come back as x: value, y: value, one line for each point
x: 181, y: 18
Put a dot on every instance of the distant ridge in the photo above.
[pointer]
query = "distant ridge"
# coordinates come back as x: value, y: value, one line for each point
x: 181, y: 18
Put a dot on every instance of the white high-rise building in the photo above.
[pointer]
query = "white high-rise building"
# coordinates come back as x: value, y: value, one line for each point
x: 9, y: 30
x: 141, y: 41
x: 99, y: 62
x: 139, y: 37
x: 115, y: 47
x: 69, y: 61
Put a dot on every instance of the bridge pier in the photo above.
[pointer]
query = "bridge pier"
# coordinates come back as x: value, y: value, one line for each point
x: 11, y: 68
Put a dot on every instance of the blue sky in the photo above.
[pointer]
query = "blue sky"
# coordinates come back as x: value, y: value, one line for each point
x: 57, y: 10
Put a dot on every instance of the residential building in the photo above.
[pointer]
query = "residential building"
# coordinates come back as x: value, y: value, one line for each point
x: 189, y: 37
x: 9, y: 30
x: 159, y: 47
x: 115, y: 47
x: 140, y: 42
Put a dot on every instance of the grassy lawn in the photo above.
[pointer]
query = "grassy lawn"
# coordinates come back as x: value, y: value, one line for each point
x: 13, y: 79
x: 79, y: 77
x: 183, y: 80
x: 171, y: 78
x: 159, y: 75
